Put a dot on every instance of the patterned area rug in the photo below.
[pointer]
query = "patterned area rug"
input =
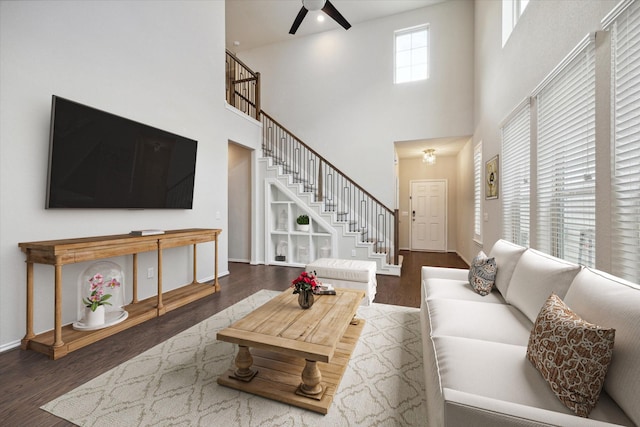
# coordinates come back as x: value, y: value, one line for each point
x: 174, y: 383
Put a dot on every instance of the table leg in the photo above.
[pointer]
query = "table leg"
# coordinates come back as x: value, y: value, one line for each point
x: 195, y: 264
x: 215, y: 271
x: 244, y: 363
x: 29, y: 335
x: 135, y: 279
x: 57, y: 340
x: 311, y: 378
x: 160, y: 306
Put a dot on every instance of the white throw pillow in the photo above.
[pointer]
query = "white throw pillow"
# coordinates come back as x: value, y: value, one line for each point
x: 536, y: 276
x: 506, y: 255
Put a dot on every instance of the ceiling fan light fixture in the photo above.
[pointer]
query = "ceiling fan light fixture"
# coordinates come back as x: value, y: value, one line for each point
x: 313, y: 4
x: 429, y: 157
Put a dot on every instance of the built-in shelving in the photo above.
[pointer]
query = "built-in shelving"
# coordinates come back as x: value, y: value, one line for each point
x: 286, y: 243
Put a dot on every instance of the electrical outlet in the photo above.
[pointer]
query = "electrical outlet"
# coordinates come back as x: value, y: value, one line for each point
x: 353, y: 252
x: 150, y: 272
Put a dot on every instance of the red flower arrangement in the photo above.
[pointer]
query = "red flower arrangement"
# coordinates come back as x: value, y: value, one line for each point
x: 304, y: 282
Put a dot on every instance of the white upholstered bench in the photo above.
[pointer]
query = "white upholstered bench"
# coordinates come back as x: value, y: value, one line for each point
x: 350, y: 274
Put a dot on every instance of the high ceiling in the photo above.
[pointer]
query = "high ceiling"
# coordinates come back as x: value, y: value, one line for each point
x: 254, y: 23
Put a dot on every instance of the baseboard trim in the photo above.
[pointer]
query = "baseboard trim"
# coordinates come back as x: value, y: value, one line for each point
x: 9, y: 346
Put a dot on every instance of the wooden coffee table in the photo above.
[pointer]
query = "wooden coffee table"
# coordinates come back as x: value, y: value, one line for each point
x: 297, y: 356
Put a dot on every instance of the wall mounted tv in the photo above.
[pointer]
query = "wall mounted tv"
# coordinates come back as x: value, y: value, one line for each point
x: 100, y: 160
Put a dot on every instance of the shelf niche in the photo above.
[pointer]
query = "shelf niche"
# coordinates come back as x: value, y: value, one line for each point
x: 286, y: 245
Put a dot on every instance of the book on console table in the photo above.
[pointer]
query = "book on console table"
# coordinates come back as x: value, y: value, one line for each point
x: 324, y: 289
x: 149, y: 232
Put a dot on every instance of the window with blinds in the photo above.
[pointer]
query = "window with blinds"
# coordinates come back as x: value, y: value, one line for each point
x: 477, y: 192
x: 566, y: 158
x: 625, y: 227
x: 516, y: 159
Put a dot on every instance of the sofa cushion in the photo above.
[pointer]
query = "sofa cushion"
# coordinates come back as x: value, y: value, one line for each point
x: 502, y: 371
x: 572, y: 355
x: 536, y: 276
x: 478, y: 320
x: 506, y: 255
x: 457, y: 289
x: 603, y: 299
x: 482, y: 273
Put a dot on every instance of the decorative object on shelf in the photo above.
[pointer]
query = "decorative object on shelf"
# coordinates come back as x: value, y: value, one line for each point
x: 282, y: 220
x: 302, y: 222
x: 304, y: 285
x: 98, y: 297
x: 325, y: 250
x: 429, y: 157
x: 102, y: 294
x: 303, y: 254
x: 281, y: 251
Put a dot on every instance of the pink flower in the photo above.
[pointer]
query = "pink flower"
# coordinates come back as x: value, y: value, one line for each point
x: 98, y: 296
x: 304, y: 282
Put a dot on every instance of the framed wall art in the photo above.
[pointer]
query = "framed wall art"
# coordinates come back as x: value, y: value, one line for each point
x: 492, y: 180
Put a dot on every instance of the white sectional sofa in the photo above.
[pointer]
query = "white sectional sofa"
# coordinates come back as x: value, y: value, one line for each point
x: 475, y: 347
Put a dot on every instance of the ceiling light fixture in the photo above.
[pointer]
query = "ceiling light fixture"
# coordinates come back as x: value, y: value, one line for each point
x: 320, y: 18
x: 429, y: 157
x: 313, y: 4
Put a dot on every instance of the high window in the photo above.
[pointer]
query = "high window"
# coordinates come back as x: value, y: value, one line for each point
x: 625, y: 223
x: 511, y: 12
x: 516, y: 159
x: 566, y: 175
x: 477, y: 192
x: 412, y: 54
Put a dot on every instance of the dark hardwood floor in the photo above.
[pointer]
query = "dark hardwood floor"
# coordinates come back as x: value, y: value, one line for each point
x: 29, y: 379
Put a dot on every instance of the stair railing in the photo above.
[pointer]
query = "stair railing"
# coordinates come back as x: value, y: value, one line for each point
x: 242, y: 86
x: 351, y: 205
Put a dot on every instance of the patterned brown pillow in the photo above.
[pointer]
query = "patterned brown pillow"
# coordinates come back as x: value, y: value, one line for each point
x: 572, y: 355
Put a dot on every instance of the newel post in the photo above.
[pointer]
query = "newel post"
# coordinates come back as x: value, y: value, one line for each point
x: 396, y: 236
x: 257, y: 95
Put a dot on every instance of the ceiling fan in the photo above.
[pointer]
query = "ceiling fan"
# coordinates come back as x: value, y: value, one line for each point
x: 325, y: 6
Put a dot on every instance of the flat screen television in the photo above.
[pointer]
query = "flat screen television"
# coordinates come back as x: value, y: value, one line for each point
x: 100, y: 160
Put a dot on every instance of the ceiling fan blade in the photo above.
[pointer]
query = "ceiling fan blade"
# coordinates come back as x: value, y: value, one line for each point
x: 330, y: 10
x: 298, y: 20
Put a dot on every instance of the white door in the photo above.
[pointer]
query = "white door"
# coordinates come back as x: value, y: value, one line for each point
x: 429, y: 215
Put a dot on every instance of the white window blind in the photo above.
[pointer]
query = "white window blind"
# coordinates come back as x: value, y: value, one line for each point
x: 625, y: 244
x: 477, y: 192
x: 412, y: 54
x: 516, y: 159
x: 566, y: 158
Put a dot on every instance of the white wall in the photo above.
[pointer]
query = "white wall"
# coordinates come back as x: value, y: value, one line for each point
x: 547, y: 31
x: 335, y: 91
x: 157, y: 62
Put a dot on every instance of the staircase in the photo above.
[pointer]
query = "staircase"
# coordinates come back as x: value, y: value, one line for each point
x: 361, y: 221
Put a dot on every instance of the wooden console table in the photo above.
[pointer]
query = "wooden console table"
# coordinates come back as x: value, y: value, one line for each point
x: 63, y: 340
